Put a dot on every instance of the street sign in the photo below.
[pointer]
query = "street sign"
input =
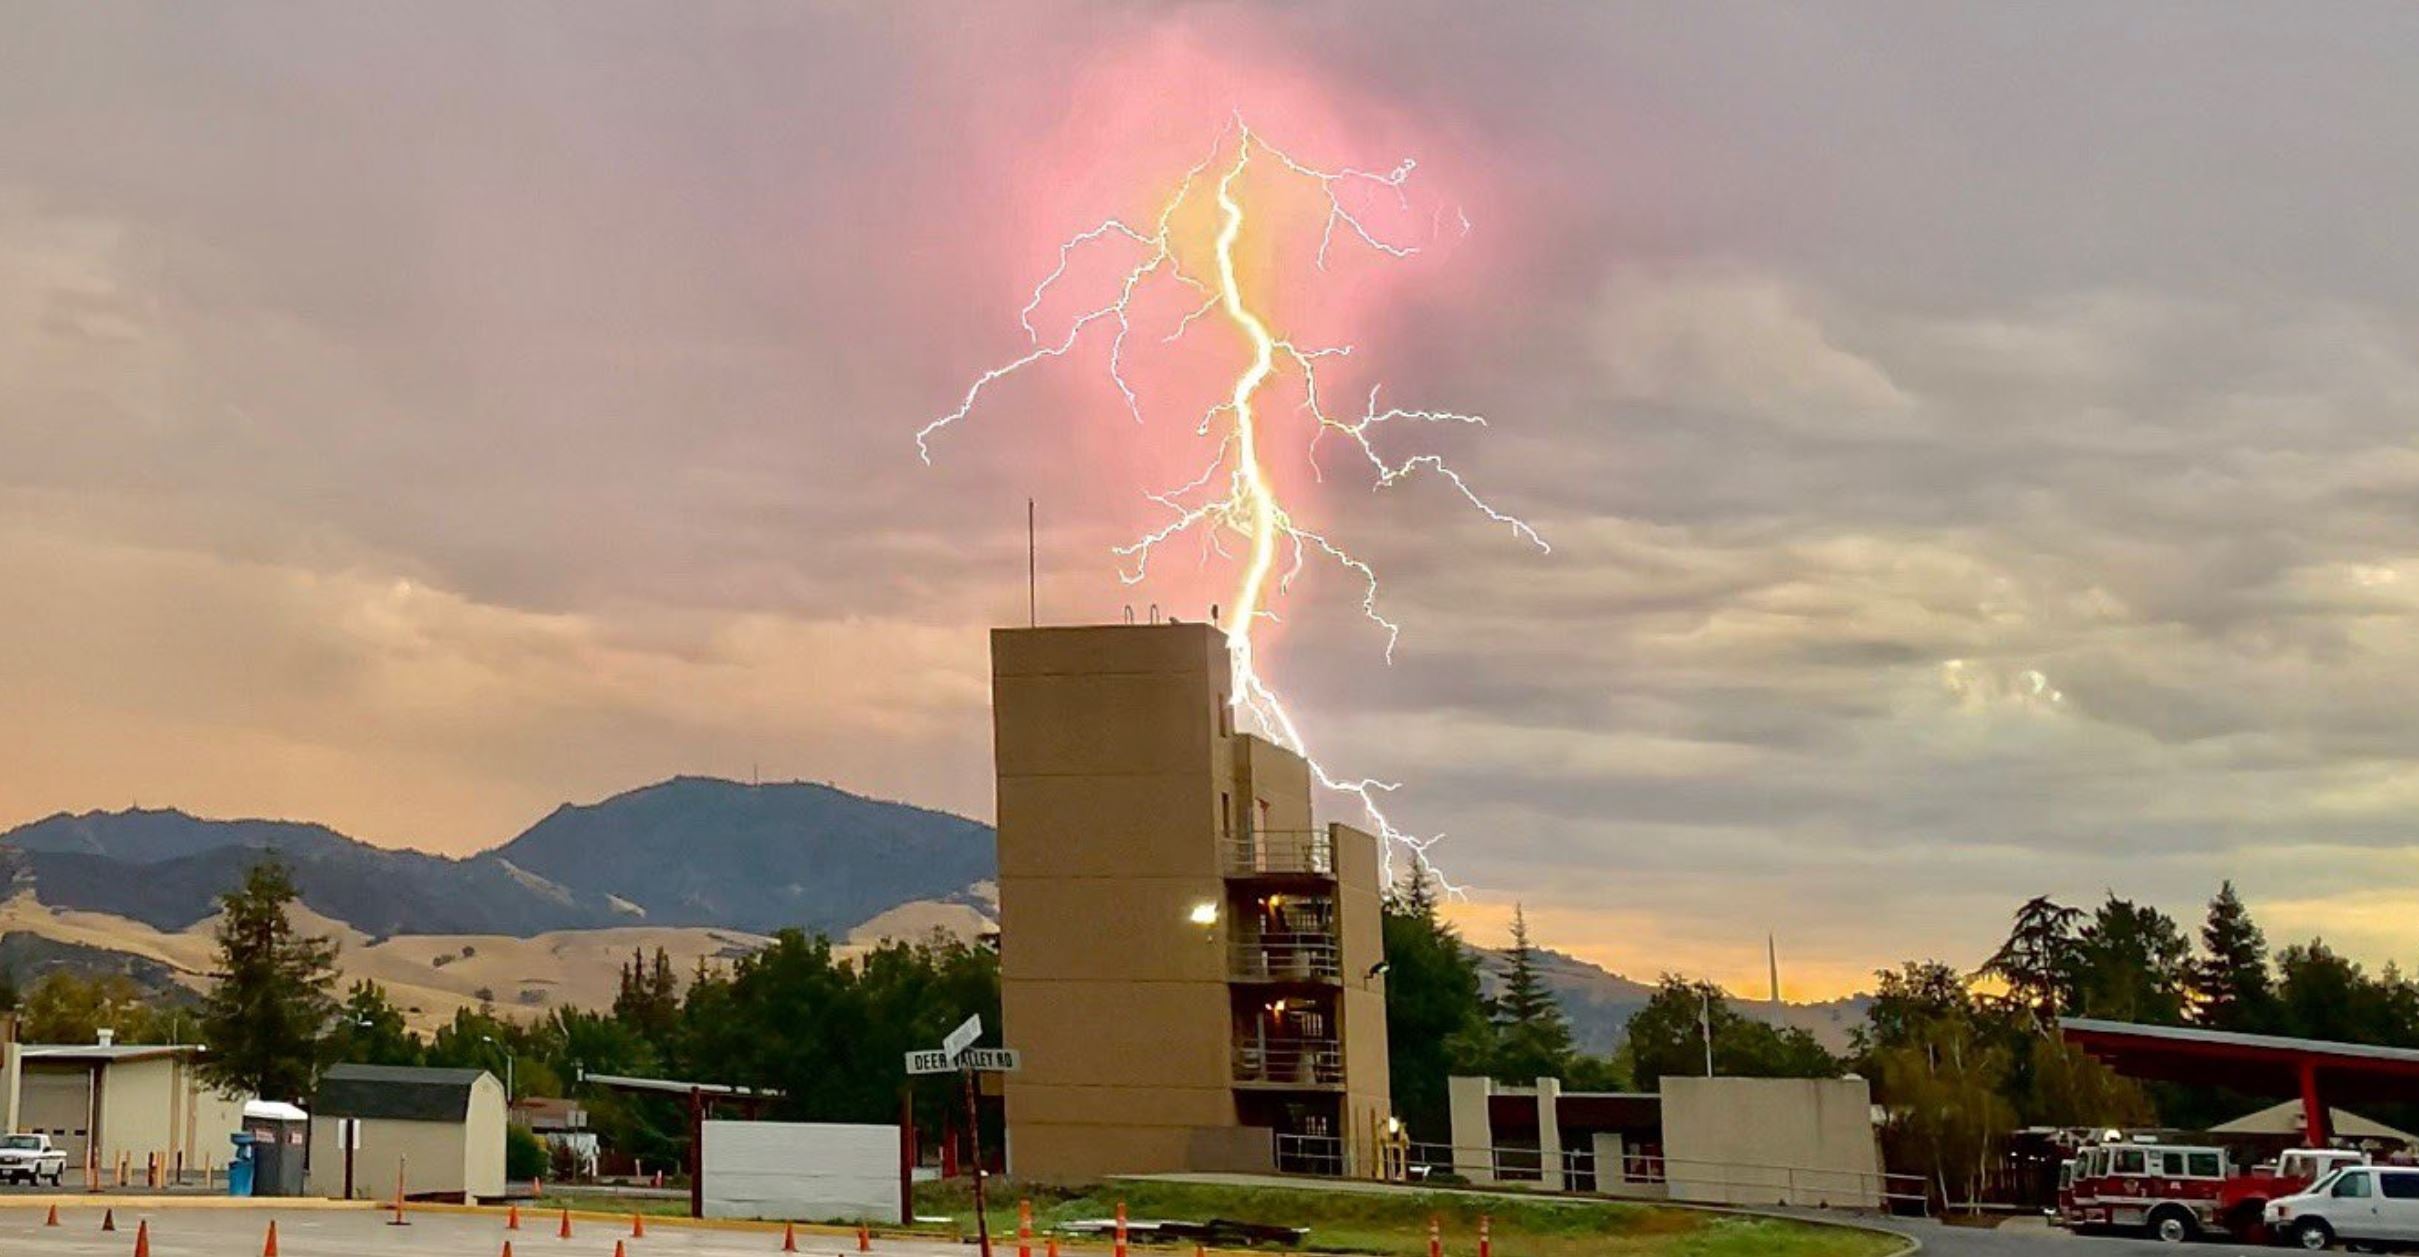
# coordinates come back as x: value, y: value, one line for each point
x: 994, y: 1060
x: 964, y: 1036
x: 929, y: 1061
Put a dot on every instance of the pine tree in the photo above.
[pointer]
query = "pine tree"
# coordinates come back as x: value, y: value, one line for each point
x: 1533, y: 1037
x: 2230, y: 985
x: 2132, y: 963
x: 268, y: 1010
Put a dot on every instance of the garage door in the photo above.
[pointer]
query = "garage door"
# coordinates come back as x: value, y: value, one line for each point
x: 57, y: 1103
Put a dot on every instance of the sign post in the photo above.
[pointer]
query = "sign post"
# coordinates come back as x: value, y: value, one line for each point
x: 958, y: 1053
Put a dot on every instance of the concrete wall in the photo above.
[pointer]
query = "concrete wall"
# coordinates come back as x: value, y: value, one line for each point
x: 1762, y: 1141
x: 800, y: 1171
x: 1473, y: 1127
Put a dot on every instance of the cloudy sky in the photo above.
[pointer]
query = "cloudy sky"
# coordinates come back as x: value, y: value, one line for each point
x: 1977, y: 441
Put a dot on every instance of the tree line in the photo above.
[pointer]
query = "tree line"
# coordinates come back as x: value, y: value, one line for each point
x: 1958, y: 1059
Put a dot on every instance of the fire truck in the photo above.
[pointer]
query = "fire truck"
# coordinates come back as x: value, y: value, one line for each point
x: 2178, y: 1192
x: 2170, y: 1191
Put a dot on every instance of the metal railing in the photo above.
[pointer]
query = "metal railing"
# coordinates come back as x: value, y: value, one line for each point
x: 1296, y: 1061
x: 1280, y: 851
x: 1638, y: 1175
x: 1277, y: 957
x: 1322, y: 1155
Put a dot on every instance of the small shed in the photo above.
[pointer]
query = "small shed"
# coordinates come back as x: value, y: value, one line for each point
x: 439, y: 1131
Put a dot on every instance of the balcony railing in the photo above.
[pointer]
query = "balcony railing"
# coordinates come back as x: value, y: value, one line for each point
x: 1280, y: 957
x: 1280, y: 851
x: 1300, y: 1062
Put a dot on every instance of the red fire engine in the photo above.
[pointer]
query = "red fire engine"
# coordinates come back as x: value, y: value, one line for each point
x: 2177, y: 1192
x: 2172, y: 1191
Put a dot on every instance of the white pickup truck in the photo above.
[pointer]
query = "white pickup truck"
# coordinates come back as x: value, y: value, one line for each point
x: 30, y: 1159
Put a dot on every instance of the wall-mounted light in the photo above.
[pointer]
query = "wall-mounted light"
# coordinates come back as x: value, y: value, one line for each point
x: 1380, y: 969
x: 1205, y: 912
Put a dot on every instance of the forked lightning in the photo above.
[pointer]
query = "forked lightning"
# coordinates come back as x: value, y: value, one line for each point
x: 1233, y: 499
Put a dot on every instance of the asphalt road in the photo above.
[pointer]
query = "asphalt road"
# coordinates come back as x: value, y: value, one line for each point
x: 2033, y: 1238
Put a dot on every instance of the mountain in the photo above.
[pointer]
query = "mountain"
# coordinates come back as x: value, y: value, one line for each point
x: 699, y: 851
x: 690, y: 851
x: 1600, y: 1002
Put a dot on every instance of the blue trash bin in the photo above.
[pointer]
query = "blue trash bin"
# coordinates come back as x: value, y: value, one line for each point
x: 239, y: 1167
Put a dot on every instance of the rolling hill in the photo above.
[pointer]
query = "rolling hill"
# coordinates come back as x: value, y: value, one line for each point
x: 689, y: 851
x: 701, y: 867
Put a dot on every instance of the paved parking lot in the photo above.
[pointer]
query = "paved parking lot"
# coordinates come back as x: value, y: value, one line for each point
x: 193, y: 1231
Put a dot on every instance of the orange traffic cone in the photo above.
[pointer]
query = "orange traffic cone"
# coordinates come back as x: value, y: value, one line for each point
x: 565, y: 1233
x: 109, y: 1219
x: 638, y: 1227
x: 619, y: 1251
x: 142, y: 1238
x: 53, y: 1220
x: 789, y: 1237
x: 1051, y: 1247
x: 268, y: 1247
x: 865, y: 1239
x: 507, y: 1249
x: 512, y: 1217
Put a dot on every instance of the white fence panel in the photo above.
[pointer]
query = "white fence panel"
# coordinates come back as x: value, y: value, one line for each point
x: 801, y: 1171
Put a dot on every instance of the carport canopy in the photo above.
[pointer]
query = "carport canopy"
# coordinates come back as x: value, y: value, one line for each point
x: 2320, y: 1072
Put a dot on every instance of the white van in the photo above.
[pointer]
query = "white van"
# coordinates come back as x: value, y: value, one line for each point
x: 2369, y: 1204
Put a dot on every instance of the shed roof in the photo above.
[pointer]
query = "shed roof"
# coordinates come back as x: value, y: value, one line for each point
x: 89, y: 1053
x: 403, y: 1093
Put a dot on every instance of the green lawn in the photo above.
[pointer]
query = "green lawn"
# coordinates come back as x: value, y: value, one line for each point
x: 1395, y: 1224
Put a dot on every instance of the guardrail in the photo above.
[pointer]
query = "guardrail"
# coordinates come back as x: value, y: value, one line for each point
x: 1306, y: 1061
x: 1276, y: 957
x: 1253, y: 851
x: 1638, y: 1176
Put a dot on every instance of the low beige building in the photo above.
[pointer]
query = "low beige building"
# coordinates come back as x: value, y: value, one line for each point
x: 439, y: 1132
x: 142, y: 1108
x: 1806, y: 1142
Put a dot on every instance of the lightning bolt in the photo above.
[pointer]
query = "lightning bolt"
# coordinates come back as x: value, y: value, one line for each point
x: 1233, y: 498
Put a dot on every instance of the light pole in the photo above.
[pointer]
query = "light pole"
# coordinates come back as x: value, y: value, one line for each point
x: 1705, y: 1020
x: 506, y: 1053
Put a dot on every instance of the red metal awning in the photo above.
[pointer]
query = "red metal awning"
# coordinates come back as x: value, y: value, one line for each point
x: 2318, y: 1071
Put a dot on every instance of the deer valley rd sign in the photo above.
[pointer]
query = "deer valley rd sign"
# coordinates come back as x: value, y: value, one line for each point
x: 986, y: 1060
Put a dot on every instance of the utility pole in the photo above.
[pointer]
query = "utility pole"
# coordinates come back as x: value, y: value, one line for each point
x: 1033, y: 605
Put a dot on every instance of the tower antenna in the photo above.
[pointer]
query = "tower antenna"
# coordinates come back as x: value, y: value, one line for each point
x: 1033, y: 612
